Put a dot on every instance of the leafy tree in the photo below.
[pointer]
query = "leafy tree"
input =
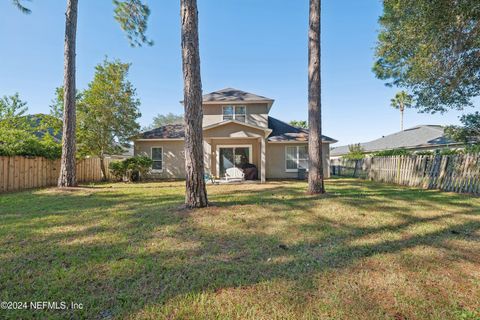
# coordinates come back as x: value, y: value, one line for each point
x: 196, y: 192
x: 401, y: 101
x: 473, y: 148
x: 164, y: 119
x: 107, y: 112
x: 392, y: 152
x: 12, y: 106
x: 469, y: 132
x: 20, y: 6
x: 56, y: 106
x: 41, y: 125
x: 448, y: 152
x: 132, y: 15
x: 21, y: 142
x: 424, y: 153
x: 315, y: 171
x: 25, y: 135
x: 29, y: 135
x: 299, y: 123
x: 431, y: 47
x: 12, y: 111
x: 355, y: 153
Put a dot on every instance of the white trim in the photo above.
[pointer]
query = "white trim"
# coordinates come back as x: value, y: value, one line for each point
x: 219, y: 124
x: 266, y: 101
x: 297, y: 159
x: 158, y: 139
x: 298, y: 142
x: 163, y: 161
x: 223, y: 110
x: 217, y: 153
x: 234, y: 106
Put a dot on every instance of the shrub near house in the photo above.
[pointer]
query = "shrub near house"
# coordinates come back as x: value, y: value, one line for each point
x: 131, y: 169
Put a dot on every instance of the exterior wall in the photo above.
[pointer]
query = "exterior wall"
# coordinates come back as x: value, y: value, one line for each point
x: 233, y: 130
x: 255, y: 143
x: 256, y: 114
x: 276, y: 161
x: 173, y: 158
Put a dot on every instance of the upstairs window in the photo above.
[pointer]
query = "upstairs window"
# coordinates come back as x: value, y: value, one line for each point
x: 237, y: 113
x: 157, y: 157
x: 240, y: 113
x: 296, y: 158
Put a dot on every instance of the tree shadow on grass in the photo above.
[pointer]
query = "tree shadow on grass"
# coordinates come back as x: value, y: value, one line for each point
x: 143, y: 253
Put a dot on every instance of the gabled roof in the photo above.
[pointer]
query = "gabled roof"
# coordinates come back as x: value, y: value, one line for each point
x: 277, y: 131
x: 170, y: 131
x: 219, y: 124
x: 283, y: 132
x: 233, y: 95
x: 422, y: 136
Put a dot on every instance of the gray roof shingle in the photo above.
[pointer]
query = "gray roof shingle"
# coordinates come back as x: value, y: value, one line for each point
x: 281, y: 131
x: 231, y: 95
x: 170, y: 131
x: 417, y: 137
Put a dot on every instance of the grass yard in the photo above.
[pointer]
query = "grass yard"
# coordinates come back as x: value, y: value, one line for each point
x: 124, y: 251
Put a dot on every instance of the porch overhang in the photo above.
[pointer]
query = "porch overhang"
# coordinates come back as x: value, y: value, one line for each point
x: 231, y: 132
x: 250, y: 130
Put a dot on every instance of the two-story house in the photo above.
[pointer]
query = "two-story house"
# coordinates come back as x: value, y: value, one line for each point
x: 237, y: 131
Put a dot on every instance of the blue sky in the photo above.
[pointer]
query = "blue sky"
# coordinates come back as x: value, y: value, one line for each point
x: 256, y: 46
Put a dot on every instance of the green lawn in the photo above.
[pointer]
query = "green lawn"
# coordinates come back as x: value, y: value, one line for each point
x: 125, y: 251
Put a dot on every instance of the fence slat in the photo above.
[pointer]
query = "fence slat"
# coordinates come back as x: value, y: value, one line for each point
x: 457, y: 173
x: 20, y: 173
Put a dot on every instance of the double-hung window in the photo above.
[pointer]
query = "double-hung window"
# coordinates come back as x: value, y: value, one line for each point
x: 234, y: 113
x: 296, y: 158
x: 157, y: 157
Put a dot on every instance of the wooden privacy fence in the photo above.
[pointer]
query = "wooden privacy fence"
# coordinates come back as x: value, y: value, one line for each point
x: 457, y: 173
x: 19, y: 172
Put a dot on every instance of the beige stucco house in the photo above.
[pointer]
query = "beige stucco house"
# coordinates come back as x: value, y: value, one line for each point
x: 237, y: 131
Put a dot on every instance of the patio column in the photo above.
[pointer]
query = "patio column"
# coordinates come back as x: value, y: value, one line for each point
x: 262, y: 161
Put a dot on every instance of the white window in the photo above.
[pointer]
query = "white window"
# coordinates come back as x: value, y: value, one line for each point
x: 157, y: 157
x: 234, y: 113
x: 296, y: 157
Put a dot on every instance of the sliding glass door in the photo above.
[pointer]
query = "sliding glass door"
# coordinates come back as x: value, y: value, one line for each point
x: 230, y: 157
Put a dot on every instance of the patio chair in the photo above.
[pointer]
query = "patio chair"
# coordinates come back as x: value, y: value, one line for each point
x: 234, y: 174
x: 209, y: 177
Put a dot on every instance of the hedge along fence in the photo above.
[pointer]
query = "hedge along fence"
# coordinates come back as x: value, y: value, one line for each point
x: 457, y: 173
x: 19, y: 172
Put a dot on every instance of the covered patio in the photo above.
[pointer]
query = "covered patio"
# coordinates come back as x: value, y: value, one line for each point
x: 235, y: 144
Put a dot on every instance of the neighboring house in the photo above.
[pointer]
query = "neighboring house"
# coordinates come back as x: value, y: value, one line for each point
x: 237, y: 131
x: 419, y: 138
x: 125, y: 154
x: 44, y: 123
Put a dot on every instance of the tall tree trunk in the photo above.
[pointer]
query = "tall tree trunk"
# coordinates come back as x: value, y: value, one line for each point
x: 315, y: 169
x: 196, y: 192
x: 67, y: 176
x: 102, y: 168
x: 401, y: 116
